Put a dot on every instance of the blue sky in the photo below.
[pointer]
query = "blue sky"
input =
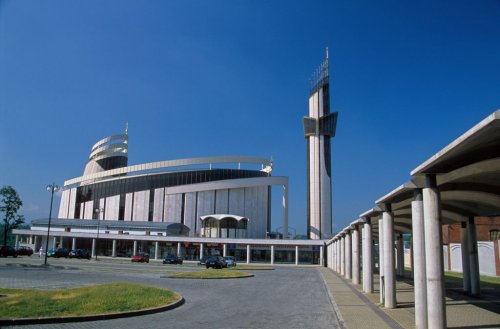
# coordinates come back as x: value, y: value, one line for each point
x: 208, y: 78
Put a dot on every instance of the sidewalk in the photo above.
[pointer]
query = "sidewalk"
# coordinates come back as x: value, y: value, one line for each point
x: 358, y: 310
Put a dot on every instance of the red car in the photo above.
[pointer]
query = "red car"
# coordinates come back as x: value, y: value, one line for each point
x: 141, y: 257
x: 6, y: 251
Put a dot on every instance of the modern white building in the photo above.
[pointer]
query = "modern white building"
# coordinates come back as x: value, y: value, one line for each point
x: 191, y: 207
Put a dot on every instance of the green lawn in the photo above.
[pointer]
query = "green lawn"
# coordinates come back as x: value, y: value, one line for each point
x: 98, y: 299
x: 486, y: 280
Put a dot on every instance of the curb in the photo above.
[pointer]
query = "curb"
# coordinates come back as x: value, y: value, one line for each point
x: 93, y: 317
x: 228, y: 278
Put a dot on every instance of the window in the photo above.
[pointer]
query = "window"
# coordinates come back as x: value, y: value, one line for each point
x: 494, y: 235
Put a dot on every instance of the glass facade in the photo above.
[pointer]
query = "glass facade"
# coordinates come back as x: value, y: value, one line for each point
x: 225, y: 228
x: 121, y: 186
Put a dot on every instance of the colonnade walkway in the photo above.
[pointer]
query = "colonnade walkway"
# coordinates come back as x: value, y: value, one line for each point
x: 358, y: 310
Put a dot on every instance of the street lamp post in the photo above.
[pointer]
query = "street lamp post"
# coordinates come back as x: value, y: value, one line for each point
x: 98, y: 211
x: 50, y: 188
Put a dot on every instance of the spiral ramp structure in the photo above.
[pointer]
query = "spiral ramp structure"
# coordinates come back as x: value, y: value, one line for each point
x: 108, y: 153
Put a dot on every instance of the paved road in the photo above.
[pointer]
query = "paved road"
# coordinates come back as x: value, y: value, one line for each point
x: 280, y: 298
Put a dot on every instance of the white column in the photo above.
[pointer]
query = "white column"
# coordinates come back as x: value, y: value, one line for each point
x: 272, y: 255
x: 342, y: 256
x: 381, y: 262
x: 224, y: 250
x: 201, y: 250
x: 389, y: 269
x: 355, y: 255
x: 464, y: 238
x: 436, y: 311
x: 73, y: 243
x: 348, y: 255
x: 339, y: 255
x: 419, y: 276
x: 248, y: 254
x: 285, y: 211
x: 113, y: 252
x: 321, y: 256
x: 296, y: 255
x: 475, y: 288
x: 93, y: 248
x: 400, y: 255
x: 368, y: 258
x: 54, y: 242
x: 134, y: 252
x: 156, y: 249
x: 16, y: 243
x: 179, y: 249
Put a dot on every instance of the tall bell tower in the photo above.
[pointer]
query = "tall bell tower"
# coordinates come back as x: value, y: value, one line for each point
x: 319, y: 127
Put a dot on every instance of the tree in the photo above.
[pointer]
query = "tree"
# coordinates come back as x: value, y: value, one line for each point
x: 10, y: 203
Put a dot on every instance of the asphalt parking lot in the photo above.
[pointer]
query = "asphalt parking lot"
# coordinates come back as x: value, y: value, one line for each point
x: 287, y: 297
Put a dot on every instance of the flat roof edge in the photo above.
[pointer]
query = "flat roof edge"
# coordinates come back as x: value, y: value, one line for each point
x: 422, y: 168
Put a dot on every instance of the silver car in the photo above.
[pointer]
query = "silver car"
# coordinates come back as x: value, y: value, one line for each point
x: 230, y: 260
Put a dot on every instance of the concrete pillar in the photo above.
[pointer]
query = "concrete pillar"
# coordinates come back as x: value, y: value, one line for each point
x: 355, y: 255
x: 179, y: 250
x: 342, y: 256
x: 348, y: 256
x: 419, y: 276
x: 464, y: 238
x: 389, y: 269
x: 134, y: 252
x: 157, y: 244
x: 248, y: 254
x: 400, y: 255
x: 73, y: 243
x: 224, y: 250
x: 381, y: 262
x: 272, y: 255
x: 201, y: 250
x: 475, y: 288
x: 436, y: 311
x: 93, y: 247
x: 368, y: 258
x: 321, y: 256
x: 285, y: 211
x: 54, y: 242
x: 339, y: 255
x: 16, y: 243
x: 35, y: 243
x: 296, y: 255
x: 113, y: 251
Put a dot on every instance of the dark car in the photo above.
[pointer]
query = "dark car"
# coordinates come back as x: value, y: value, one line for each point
x: 216, y: 262
x: 24, y: 251
x: 141, y: 257
x: 6, y: 251
x: 203, y: 260
x: 60, y: 252
x: 172, y: 259
x: 80, y: 253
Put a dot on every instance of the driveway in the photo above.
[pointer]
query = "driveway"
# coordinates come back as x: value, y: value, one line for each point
x: 287, y: 297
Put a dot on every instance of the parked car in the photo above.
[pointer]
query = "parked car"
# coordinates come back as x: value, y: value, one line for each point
x: 24, y: 251
x: 172, y: 259
x: 61, y: 252
x: 140, y: 257
x: 80, y: 253
x: 216, y: 262
x: 51, y: 252
x: 6, y: 251
x: 202, y: 260
x: 230, y: 260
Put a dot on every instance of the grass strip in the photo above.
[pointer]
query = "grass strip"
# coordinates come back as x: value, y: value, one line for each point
x: 210, y: 274
x: 88, y: 300
x: 487, y: 280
